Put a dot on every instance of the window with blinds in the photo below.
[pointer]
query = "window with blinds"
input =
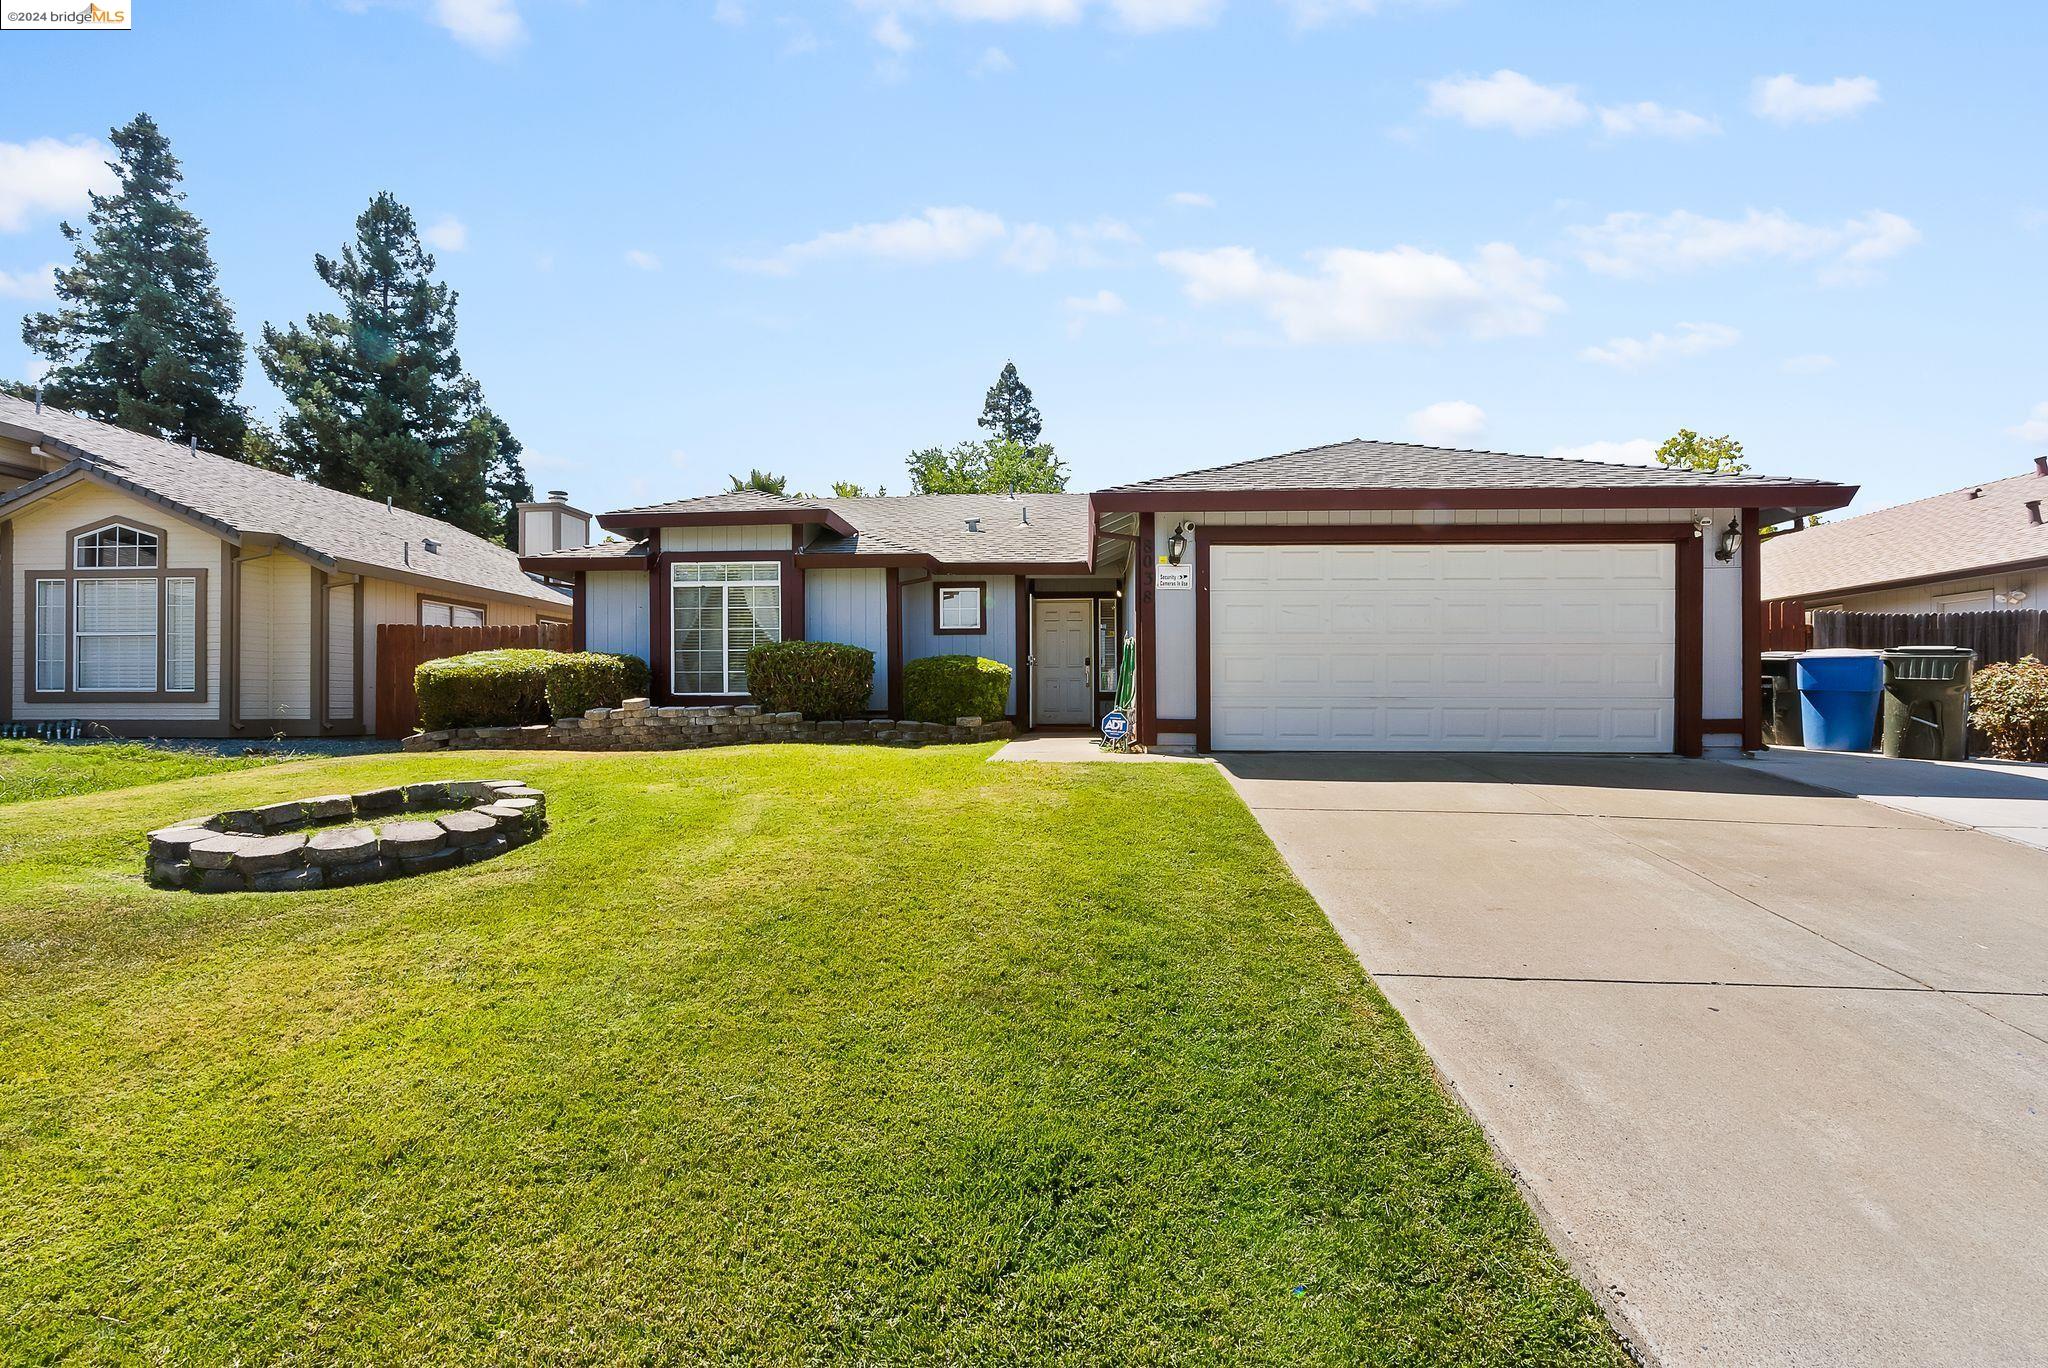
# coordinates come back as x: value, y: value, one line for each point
x: 434, y: 613
x: 718, y: 611
x: 50, y: 653
x: 115, y: 623
x: 181, y: 635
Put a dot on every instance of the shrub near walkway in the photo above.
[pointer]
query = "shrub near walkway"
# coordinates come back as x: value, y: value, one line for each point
x: 782, y: 1053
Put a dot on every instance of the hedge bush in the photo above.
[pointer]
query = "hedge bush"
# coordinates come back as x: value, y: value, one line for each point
x: 942, y: 688
x: 520, y: 688
x: 578, y: 681
x: 824, y: 680
x: 483, y: 689
x: 2009, y: 705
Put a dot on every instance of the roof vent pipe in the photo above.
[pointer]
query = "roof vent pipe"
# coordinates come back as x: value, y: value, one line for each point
x: 2034, y: 511
x: 1977, y: 493
x: 1023, y: 515
x: 2041, y: 465
x: 974, y: 524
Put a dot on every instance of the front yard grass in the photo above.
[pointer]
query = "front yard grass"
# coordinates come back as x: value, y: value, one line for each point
x: 34, y: 770
x: 783, y: 1053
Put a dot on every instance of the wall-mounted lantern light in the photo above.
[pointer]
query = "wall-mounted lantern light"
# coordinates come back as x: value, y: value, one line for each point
x: 1177, y: 544
x: 1731, y: 541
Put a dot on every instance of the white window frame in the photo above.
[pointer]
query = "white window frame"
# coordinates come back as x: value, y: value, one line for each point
x: 1967, y: 601
x: 1108, y: 648
x: 61, y: 658
x: 975, y: 595
x: 154, y: 635
x: 693, y: 575
x: 451, y: 609
x: 170, y: 635
x: 144, y: 541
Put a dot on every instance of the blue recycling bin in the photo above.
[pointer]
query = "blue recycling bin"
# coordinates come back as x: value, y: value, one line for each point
x: 1839, y: 695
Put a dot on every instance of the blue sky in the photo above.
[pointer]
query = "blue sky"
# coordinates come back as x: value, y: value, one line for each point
x: 695, y: 238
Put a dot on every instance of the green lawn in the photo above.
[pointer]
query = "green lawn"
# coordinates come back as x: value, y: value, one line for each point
x: 34, y: 770
x: 787, y: 1054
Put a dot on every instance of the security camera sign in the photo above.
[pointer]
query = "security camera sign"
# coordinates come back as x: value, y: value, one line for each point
x: 1175, y: 577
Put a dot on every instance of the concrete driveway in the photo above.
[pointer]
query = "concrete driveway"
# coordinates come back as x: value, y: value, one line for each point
x: 1772, y: 1063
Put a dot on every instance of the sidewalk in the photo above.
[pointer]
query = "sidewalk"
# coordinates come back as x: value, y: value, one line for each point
x: 2001, y: 797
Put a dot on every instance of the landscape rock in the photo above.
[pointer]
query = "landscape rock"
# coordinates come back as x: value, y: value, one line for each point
x: 404, y: 840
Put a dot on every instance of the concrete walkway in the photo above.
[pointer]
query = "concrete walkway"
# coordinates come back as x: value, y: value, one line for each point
x: 2003, y: 797
x: 1066, y: 748
x: 1771, y: 1063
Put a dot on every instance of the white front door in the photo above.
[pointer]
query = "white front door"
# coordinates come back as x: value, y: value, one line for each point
x: 1442, y: 647
x: 1062, y: 673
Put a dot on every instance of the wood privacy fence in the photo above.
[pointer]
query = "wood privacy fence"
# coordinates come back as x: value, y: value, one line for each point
x: 1785, y: 626
x: 1994, y: 637
x: 403, y: 648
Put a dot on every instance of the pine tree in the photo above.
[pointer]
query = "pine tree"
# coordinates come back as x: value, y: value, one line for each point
x: 142, y: 336
x: 1008, y: 413
x: 377, y: 402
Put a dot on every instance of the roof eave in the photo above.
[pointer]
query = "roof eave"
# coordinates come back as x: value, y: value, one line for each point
x: 636, y: 520
x: 1960, y: 572
x: 542, y: 565
x: 1791, y: 499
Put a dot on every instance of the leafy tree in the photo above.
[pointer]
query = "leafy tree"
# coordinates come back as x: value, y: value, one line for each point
x: 1709, y: 455
x: 759, y: 482
x: 377, y: 402
x: 847, y: 489
x: 999, y: 467
x: 142, y: 336
x: 1008, y: 413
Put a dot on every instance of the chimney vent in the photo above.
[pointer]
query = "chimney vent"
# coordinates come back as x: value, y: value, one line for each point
x: 430, y: 546
x: 2034, y: 511
x: 974, y: 524
x: 1975, y: 494
x: 2041, y: 465
x: 558, y: 496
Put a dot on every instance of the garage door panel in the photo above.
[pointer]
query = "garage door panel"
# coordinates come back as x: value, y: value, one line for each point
x: 1520, y: 647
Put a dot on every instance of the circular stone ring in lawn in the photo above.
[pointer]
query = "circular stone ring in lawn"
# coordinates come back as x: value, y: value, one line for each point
x: 264, y: 850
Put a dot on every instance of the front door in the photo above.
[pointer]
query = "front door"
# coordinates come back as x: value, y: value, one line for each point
x: 1062, y: 678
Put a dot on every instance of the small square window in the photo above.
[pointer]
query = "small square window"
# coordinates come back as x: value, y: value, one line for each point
x: 960, y: 609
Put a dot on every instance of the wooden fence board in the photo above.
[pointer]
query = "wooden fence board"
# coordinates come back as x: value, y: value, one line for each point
x: 403, y: 648
x: 1995, y: 637
x: 1785, y: 626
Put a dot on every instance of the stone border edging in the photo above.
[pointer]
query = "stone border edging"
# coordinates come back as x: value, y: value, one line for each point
x: 637, y: 725
x: 255, y: 850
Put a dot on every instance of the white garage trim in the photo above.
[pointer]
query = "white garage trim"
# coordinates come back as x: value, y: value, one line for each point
x: 1550, y: 637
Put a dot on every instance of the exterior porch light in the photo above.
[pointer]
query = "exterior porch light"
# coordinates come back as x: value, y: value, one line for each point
x: 1731, y: 541
x: 1177, y: 544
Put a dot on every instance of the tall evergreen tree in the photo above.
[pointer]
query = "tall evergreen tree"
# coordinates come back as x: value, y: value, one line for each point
x: 376, y: 400
x: 142, y: 335
x: 1008, y: 412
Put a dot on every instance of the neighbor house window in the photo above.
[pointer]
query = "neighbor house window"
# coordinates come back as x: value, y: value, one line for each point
x: 959, y: 609
x: 435, y: 613
x: 115, y: 547
x: 115, y: 631
x: 719, y: 610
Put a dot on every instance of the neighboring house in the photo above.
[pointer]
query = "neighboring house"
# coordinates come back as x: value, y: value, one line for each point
x: 1360, y: 596
x: 1977, y: 549
x: 155, y: 589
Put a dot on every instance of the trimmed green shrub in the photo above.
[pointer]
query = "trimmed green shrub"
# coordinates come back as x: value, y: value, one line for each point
x: 824, y: 680
x: 483, y: 689
x: 942, y: 688
x: 2009, y: 705
x: 577, y: 681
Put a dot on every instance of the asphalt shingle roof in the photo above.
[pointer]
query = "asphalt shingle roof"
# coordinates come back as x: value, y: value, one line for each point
x: 1949, y: 534
x: 1012, y: 527
x: 330, y: 525
x: 1360, y: 464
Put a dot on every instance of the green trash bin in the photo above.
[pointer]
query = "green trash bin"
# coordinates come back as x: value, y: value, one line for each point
x: 1781, y: 700
x: 1927, y: 702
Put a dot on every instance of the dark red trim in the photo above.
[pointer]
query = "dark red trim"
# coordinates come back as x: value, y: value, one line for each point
x: 843, y: 560
x: 894, y: 618
x: 1806, y: 498
x: 552, y: 566
x: 579, y: 613
x: 1147, y: 695
x: 1688, y: 649
x: 661, y: 652
x: 1176, y: 724
x: 980, y: 627
x: 1720, y: 726
x: 1204, y: 539
x: 1021, y: 651
x: 628, y: 520
x: 1752, y: 631
x: 1490, y: 534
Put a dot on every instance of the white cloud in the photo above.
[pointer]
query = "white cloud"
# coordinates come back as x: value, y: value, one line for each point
x: 1154, y: 16
x: 1812, y: 363
x: 641, y: 260
x: 798, y: 38
x: 1451, y: 423
x: 1191, y: 199
x: 955, y: 233
x: 492, y: 27
x: 1650, y: 119
x: 1400, y: 294
x: 992, y: 62
x: 1788, y: 100
x: 448, y: 233
x: 49, y: 176
x: 1081, y: 308
x: 1506, y: 99
x: 731, y: 13
x: 1634, y: 451
x: 1137, y: 16
x: 28, y: 284
x: 2035, y: 427
x: 1691, y: 339
x: 1636, y: 245
x: 891, y: 34
x: 1310, y: 13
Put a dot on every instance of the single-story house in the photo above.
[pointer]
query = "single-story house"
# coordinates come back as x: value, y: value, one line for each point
x: 158, y: 589
x: 1358, y: 596
x: 1972, y: 550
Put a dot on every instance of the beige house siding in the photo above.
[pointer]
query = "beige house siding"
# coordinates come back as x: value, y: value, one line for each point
x: 1920, y: 598
x: 750, y: 537
x: 341, y: 652
x: 39, y: 543
x: 275, y: 658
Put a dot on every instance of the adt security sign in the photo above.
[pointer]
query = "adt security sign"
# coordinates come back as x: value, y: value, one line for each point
x: 1115, y: 726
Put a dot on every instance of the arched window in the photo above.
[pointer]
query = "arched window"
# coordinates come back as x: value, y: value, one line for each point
x: 116, y: 546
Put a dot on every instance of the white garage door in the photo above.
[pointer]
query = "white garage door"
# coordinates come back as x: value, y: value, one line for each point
x: 1444, y: 647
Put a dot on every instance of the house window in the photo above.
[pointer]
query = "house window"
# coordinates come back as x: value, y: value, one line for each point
x: 435, y: 613
x: 959, y: 610
x: 115, y: 547
x: 115, y: 631
x: 181, y: 635
x: 1107, y: 650
x: 720, y: 609
x: 50, y: 634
